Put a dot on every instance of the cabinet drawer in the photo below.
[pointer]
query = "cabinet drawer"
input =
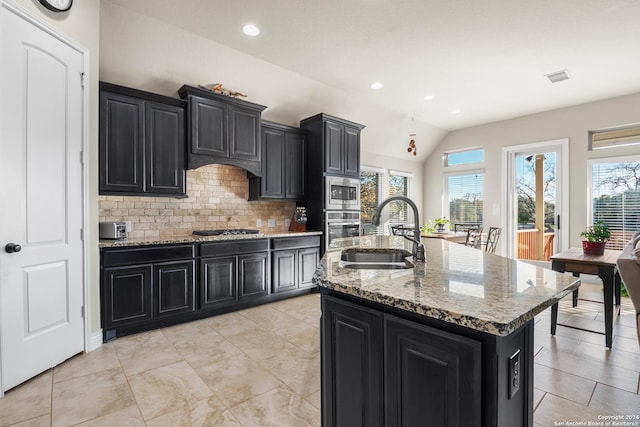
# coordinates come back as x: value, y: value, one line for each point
x: 129, y: 256
x: 233, y: 247
x: 295, y: 242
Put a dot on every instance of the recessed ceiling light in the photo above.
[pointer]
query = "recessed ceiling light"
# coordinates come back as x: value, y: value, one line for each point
x: 251, y: 30
x: 428, y: 97
x: 376, y: 85
x: 456, y: 111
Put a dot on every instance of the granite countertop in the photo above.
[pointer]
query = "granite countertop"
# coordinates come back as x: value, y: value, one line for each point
x: 199, y: 239
x: 456, y: 284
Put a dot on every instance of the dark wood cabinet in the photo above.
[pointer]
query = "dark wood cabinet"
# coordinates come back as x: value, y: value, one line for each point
x: 145, y: 287
x: 380, y: 369
x: 218, y: 282
x: 283, y: 164
x: 294, y: 260
x: 352, y: 365
x: 222, y: 129
x: 430, y: 375
x: 253, y: 276
x: 174, y: 288
x: 337, y: 142
x: 233, y: 272
x: 383, y: 365
x: 142, y: 143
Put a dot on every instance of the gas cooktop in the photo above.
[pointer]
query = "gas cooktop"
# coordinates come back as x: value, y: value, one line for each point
x: 225, y: 232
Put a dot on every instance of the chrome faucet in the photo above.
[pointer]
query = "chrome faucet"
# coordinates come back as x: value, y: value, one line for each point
x: 418, y: 247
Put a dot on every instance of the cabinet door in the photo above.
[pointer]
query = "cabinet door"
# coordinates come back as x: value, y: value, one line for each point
x: 244, y: 133
x: 351, y: 152
x: 307, y: 263
x: 273, y: 152
x: 165, y: 149
x: 253, y: 281
x: 121, y: 144
x: 126, y: 295
x: 209, y: 133
x: 284, y: 270
x: 334, y: 159
x: 351, y: 339
x: 295, y: 158
x: 218, y: 284
x: 174, y: 288
x: 430, y: 375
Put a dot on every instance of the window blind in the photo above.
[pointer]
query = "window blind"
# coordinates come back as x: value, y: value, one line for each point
x: 398, y: 210
x: 464, y: 193
x: 615, y: 190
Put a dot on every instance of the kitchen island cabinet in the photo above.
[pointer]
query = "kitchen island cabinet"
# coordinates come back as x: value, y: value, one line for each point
x: 449, y: 340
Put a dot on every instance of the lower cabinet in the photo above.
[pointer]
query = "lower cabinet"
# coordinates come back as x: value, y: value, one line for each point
x: 233, y: 272
x: 142, y: 287
x: 146, y: 287
x: 294, y: 260
x: 382, y: 370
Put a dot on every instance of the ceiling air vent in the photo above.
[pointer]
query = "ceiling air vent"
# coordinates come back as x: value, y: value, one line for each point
x: 558, y: 76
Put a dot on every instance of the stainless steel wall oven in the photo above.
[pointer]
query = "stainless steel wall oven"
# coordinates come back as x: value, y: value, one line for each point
x: 341, y: 224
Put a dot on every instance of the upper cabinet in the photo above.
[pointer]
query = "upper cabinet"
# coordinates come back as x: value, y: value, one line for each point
x: 283, y: 163
x: 142, y: 143
x: 336, y: 141
x: 222, y: 129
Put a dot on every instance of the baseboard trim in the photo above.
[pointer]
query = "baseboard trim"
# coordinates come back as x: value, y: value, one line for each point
x: 95, y: 341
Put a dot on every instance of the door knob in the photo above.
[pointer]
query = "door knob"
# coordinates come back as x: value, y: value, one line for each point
x: 12, y: 247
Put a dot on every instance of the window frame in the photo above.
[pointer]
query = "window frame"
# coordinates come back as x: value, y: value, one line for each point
x: 590, y: 163
x: 446, y: 211
x: 384, y: 186
x: 446, y: 154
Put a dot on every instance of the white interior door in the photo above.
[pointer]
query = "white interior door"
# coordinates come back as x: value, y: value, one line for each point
x: 41, y: 125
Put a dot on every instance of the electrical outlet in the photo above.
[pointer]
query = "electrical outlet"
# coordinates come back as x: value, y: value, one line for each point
x: 515, y: 373
x: 258, y: 223
x: 287, y: 222
x: 127, y: 225
x: 272, y: 222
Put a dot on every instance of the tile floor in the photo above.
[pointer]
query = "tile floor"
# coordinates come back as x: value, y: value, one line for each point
x: 261, y: 367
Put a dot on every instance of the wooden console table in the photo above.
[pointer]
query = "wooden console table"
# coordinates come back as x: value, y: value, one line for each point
x: 573, y: 260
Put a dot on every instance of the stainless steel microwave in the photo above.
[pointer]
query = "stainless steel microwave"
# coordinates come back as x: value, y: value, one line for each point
x: 342, y: 193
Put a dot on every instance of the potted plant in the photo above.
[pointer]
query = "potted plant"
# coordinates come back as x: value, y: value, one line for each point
x: 441, y: 223
x: 595, y: 238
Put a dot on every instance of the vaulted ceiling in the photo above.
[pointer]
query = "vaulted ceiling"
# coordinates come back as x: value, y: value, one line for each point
x: 486, y: 58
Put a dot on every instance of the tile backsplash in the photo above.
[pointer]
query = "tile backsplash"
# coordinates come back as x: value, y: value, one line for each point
x: 217, y: 198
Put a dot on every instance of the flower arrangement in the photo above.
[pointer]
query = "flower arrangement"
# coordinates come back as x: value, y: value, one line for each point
x: 594, y: 238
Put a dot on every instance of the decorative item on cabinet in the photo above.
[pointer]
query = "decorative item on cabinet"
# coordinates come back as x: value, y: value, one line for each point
x: 222, y: 129
x: 142, y: 143
x: 299, y: 220
x: 283, y: 164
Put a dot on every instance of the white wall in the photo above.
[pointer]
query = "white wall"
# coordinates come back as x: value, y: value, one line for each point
x: 147, y: 54
x: 572, y: 123
x: 81, y: 24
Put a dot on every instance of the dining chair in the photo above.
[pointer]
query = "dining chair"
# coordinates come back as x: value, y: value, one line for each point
x: 474, y: 237
x: 492, y: 239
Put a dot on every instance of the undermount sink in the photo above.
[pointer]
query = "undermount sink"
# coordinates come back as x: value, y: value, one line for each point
x: 376, y: 259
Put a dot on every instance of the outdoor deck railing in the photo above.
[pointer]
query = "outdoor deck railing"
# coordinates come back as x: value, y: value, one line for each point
x: 528, y: 244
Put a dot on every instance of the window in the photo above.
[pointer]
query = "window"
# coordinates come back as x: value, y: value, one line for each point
x: 464, y: 195
x: 615, y: 197
x: 369, y: 198
x: 614, y: 137
x: 463, y: 157
x: 375, y: 186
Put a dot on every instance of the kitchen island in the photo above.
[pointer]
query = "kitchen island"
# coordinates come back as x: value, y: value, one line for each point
x: 448, y: 342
